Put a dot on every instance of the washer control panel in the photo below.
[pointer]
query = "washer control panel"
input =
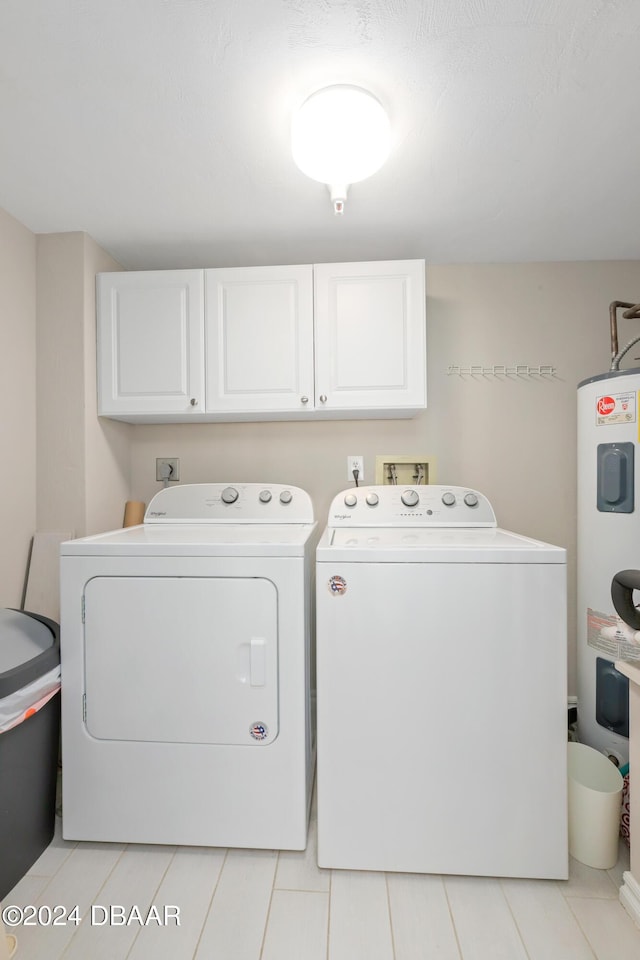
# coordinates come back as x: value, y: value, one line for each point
x: 420, y: 506
x: 230, y: 503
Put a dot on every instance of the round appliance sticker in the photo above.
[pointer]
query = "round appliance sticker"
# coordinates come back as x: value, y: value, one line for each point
x: 606, y: 405
x: 337, y: 586
x: 259, y: 731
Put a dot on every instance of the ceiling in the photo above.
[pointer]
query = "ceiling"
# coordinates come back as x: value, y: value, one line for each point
x: 161, y: 128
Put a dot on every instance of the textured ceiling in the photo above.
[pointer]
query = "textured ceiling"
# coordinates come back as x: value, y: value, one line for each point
x: 161, y: 127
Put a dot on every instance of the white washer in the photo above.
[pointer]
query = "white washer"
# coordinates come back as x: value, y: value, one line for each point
x: 442, y: 698
x: 186, y: 665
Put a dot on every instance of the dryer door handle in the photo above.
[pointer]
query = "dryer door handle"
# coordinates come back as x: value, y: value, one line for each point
x: 258, y: 661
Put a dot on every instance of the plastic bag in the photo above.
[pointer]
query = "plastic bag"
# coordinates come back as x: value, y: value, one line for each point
x: 26, y: 701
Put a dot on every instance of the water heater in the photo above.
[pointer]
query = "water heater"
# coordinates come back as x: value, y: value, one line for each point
x: 608, y: 542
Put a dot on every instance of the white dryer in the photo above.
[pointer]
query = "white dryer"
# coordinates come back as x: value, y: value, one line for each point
x: 186, y: 671
x: 442, y: 698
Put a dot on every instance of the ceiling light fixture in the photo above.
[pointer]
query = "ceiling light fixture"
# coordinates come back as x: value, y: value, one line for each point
x: 340, y: 135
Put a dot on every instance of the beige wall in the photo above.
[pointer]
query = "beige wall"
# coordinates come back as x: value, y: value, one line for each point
x: 514, y: 439
x: 60, y: 383
x: 17, y: 404
x: 83, y: 463
x: 107, y: 443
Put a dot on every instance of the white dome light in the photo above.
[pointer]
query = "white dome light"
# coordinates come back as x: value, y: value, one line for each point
x: 340, y: 135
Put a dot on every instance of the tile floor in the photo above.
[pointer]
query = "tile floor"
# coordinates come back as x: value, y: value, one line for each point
x: 265, y: 905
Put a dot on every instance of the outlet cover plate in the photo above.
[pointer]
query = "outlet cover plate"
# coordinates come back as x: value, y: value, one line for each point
x: 355, y: 463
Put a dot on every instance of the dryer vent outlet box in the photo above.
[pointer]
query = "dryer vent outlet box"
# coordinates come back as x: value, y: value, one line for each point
x: 406, y: 471
x: 167, y: 468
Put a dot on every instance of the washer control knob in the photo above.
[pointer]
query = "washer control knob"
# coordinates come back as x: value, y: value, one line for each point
x: 471, y: 500
x: 350, y: 499
x: 448, y: 499
x: 373, y: 499
x: 410, y: 498
x: 264, y: 496
x: 286, y: 496
x: 229, y: 495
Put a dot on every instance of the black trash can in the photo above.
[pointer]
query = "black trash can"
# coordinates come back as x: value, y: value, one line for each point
x: 29, y: 665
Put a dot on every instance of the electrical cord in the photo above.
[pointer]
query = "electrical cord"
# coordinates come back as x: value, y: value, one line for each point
x: 356, y: 474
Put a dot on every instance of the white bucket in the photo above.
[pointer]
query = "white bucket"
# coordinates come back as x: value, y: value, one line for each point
x: 595, y: 797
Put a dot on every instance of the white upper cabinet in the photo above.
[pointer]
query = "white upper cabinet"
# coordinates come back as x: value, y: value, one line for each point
x: 323, y: 341
x: 370, y: 335
x: 151, y: 344
x: 259, y: 340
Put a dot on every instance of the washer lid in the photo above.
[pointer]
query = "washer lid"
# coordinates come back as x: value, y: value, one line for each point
x: 434, y: 545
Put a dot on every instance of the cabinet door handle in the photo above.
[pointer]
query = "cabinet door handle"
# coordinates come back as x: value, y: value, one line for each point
x: 304, y: 399
x: 323, y: 398
x: 194, y: 402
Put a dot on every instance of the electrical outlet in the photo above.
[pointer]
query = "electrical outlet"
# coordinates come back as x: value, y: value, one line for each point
x: 167, y: 468
x: 355, y: 463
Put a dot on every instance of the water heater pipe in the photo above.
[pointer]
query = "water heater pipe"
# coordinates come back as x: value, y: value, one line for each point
x: 631, y: 313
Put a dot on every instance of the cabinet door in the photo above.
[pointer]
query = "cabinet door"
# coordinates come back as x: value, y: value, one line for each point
x: 259, y: 339
x: 150, y: 343
x: 370, y: 335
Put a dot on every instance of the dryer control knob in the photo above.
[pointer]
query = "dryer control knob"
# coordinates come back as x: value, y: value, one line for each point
x: 471, y: 500
x: 448, y: 499
x: 350, y: 499
x: 264, y: 496
x: 373, y: 499
x: 229, y: 495
x: 410, y: 498
x: 286, y: 496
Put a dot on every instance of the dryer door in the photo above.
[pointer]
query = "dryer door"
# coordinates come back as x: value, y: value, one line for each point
x: 181, y: 659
